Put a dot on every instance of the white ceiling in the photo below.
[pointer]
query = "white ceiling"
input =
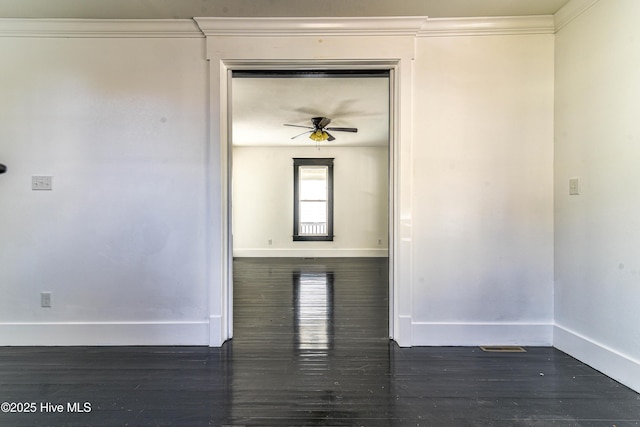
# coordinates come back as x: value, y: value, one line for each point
x: 261, y: 106
x: 185, y: 9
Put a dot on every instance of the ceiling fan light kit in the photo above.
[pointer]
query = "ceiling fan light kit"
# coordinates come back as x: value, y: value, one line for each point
x: 319, y: 136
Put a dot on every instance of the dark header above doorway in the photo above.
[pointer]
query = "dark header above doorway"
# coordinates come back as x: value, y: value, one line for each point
x: 308, y: 73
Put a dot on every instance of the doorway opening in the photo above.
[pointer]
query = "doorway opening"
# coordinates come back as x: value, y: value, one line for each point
x: 265, y: 106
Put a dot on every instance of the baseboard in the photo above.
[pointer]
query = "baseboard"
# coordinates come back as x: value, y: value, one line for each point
x: 402, y: 332
x: 310, y: 253
x: 104, y: 333
x: 475, y: 334
x: 613, y: 364
x: 217, y: 336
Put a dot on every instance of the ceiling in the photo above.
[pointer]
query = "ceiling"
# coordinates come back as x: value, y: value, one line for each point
x: 185, y: 9
x: 261, y: 106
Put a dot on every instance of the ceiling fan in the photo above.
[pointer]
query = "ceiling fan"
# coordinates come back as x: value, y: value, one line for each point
x: 318, y: 129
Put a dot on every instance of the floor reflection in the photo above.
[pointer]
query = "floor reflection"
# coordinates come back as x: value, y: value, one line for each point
x: 311, y: 344
x: 313, y: 310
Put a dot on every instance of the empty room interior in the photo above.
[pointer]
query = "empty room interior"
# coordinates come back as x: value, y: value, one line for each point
x: 299, y: 213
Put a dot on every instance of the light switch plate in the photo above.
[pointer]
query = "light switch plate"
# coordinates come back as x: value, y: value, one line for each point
x: 574, y: 186
x: 45, y: 299
x: 42, y: 183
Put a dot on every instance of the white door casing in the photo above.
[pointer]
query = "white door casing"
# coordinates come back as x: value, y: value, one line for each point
x: 303, y: 43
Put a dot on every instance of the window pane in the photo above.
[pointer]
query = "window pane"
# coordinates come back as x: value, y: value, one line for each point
x: 313, y: 183
x: 315, y: 211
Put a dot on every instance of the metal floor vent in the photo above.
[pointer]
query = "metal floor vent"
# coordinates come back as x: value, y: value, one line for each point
x: 503, y: 349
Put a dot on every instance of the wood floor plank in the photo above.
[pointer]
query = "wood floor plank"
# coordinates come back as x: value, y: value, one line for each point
x: 311, y: 348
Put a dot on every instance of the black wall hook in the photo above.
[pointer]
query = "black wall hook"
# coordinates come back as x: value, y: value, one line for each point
x: 3, y: 168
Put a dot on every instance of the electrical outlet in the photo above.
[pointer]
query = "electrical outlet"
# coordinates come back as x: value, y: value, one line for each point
x: 270, y: 242
x: 45, y: 299
x: 42, y: 183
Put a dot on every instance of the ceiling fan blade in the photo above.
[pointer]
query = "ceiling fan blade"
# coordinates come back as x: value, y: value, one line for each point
x: 331, y: 137
x: 298, y: 126
x: 303, y: 133
x: 324, y: 121
x: 343, y: 129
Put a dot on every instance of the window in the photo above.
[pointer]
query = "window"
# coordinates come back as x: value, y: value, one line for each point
x: 313, y: 199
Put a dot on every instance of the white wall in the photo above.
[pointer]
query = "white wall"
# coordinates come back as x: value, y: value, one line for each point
x: 263, y: 202
x: 120, y: 124
x: 597, y: 135
x: 483, y: 197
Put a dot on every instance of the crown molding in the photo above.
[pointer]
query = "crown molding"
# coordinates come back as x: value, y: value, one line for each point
x: 420, y: 26
x: 487, y: 26
x: 283, y: 27
x: 89, y: 28
x: 571, y: 11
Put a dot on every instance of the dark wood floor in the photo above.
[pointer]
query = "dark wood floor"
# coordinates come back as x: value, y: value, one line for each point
x: 310, y: 349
